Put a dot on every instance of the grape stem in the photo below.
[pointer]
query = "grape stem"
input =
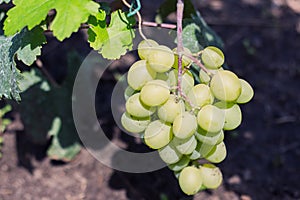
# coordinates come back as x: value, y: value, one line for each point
x: 197, y: 62
x: 180, y: 7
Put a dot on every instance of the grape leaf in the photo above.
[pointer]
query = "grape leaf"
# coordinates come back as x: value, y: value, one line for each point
x: 69, y: 15
x: 30, y: 43
x: 114, y: 40
x: 4, y: 1
x: 26, y: 46
x: 53, y: 112
x: 8, y: 71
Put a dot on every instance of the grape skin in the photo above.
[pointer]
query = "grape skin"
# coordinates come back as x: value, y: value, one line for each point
x: 184, y: 125
x: 158, y: 134
x: 211, y: 176
x: 155, y: 93
x: 160, y: 58
x: 139, y: 74
x: 136, y: 108
x: 190, y: 180
x: 145, y: 47
x: 134, y: 124
x: 211, y: 118
x: 225, y: 86
x: 170, y: 109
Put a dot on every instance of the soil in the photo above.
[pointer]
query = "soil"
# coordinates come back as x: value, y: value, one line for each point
x: 262, y: 42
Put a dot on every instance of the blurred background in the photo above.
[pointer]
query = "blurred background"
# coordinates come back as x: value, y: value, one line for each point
x: 262, y: 45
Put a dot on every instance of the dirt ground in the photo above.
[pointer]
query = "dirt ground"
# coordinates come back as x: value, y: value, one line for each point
x: 262, y: 45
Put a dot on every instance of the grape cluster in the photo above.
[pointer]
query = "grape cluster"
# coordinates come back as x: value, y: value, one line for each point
x: 187, y: 125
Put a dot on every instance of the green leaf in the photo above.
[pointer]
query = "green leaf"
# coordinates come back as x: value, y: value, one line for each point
x: 29, y: 79
x: 58, y: 149
x: 30, y: 43
x: 26, y: 46
x: 69, y: 15
x: 47, y: 111
x: 112, y: 41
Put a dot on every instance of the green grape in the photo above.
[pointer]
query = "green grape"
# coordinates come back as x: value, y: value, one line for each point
x: 162, y: 76
x: 155, y: 93
x: 190, y: 180
x: 204, y: 77
x: 212, y: 57
x: 184, y: 125
x: 136, y: 108
x: 139, y: 74
x: 169, y: 110
x: 195, y: 155
x: 209, y: 138
x: 247, y: 92
x: 145, y: 47
x: 211, y: 176
x: 200, y: 95
x: 129, y: 91
x: 182, y: 163
x: 134, y: 124
x: 161, y: 58
x: 187, y: 82
x: 206, y: 149
x: 158, y: 134
x: 218, y: 155
x: 185, y: 60
x: 211, y: 119
x: 185, y: 146
x: 233, y: 114
x: 225, y: 86
x: 169, y: 154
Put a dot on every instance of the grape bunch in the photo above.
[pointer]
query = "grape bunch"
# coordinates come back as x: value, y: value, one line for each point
x: 185, y: 121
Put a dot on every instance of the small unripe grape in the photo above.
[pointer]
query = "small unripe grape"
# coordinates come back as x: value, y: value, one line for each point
x: 169, y: 154
x: 136, y: 108
x: 200, y: 95
x: 211, y: 176
x: 185, y: 146
x: 246, y: 93
x: 134, y: 124
x: 145, y: 47
x: 218, y: 155
x: 225, y: 86
x: 211, y: 119
x: 155, y: 93
x: 184, y: 125
x: 139, y: 74
x: 158, y: 134
x: 212, y: 57
x: 170, y: 109
x: 161, y: 58
x: 233, y: 115
x: 190, y: 180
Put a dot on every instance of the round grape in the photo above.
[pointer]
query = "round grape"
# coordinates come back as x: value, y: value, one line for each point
x: 158, y: 134
x: 225, y: 86
x: 155, y: 93
x: 139, y: 74
x: 184, y: 125
x: 190, y: 180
